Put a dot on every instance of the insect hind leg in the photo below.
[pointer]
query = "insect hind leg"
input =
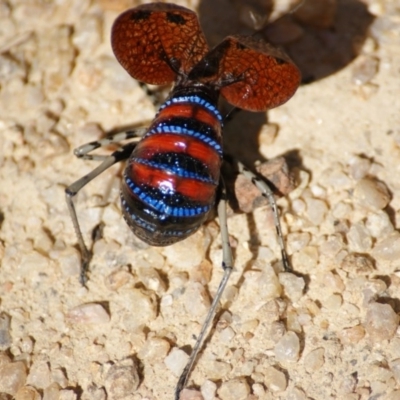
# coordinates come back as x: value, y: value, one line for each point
x: 267, y: 192
x: 119, y: 155
x: 227, y: 266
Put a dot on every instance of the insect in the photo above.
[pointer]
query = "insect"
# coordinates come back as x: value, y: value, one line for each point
x: 172, y: 180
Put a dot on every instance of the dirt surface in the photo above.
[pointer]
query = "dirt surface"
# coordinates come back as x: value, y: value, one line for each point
x: 327, y: 331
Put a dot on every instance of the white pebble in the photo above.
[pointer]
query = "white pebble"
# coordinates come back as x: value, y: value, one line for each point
x: 379, y: 224
x: 196, y: 300
x: 352, y: 335
x: 371, y: 194
x: 297, y: 240
x: 27, y: 393
x: 151, y: 279
x: 121, y: 380
x: 314, y: 360
x: 395, y: 368
x: 275, y: 380
x: 288, y: 348
x: 90, y: 313
x: 208, y: 390
x: 227, y: 335
x: 364, y: 69
x: 388, y: 248
x: 190, y: 394
x: 359, y: 238
x: 333, y: 302
x: 5, y: 336
x: 39, y: 375
x: 296, y: 394
x: 154, y: 349
x: 117, y: 278
x: 140, y: 307
x: 235, y: 389
x: 188, y: 253
x: 67, y: 394
x: 12, y: 377
x: 381, y: 322
x: 52, y: 392
x: 293, y: 286
x: 316, y: 210
x: 216, y: 370
x: 176, y: 361
x: 305, y: 259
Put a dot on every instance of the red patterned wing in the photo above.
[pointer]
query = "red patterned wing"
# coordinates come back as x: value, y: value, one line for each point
x: 254, y: 75
x: 156, y: 42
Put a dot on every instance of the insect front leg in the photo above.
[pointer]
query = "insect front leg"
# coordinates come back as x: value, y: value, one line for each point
x: 227, y: 265
x: 119, y: 155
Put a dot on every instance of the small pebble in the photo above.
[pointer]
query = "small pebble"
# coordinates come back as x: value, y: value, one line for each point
x: 379, y: 224
x: 314, y: 360
x: 293, y: 286
x: 89, y: 313
x: 348, y: 384
x: 39, y: 375
x: 5, y: 337
x: 196, y: 300
x: 67, y: 394
x: 357, y: 264
x: 208, y: 390
x: 297, y: 240
x: 27, y: 393
x: 190, y: 394
x: 316, y: 210
x: 359, y: 238
x: 288, y: 348
x: 306, y: 259
x: 352, y: 335
x: 381, y: 322
x: 58, y: 376
x: 151, y: 279
x: 359, y: 167
x: 121, y: 381
x: 235, y: 389
x: 154, y: 349
x: 388, y: 248
x: 372, y: 194
x: 188, y: 253
x: 364, y: 69
x: 275, y: 380
x: 292, y: 321
x: 176, y: 361
x: 117, y: 279
x: 140, y: 306
x: 333, y: 302
x: 227, y: 335
x: 296, y: 394
x: 395, y: 368
x: 52, y: 392
x: 12, y: 377
x: 216, y: 370
x: 94, y: 393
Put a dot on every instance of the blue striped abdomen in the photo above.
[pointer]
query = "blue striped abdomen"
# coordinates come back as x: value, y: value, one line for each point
x: 170, y: 182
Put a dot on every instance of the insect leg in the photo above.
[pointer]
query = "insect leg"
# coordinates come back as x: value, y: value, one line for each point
x: 84, y: 150
x: 72, y: 190
x: 267, y: 192
x: 227, y: 265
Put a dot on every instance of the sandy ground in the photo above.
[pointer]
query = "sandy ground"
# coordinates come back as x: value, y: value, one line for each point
x: 330, y: 331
